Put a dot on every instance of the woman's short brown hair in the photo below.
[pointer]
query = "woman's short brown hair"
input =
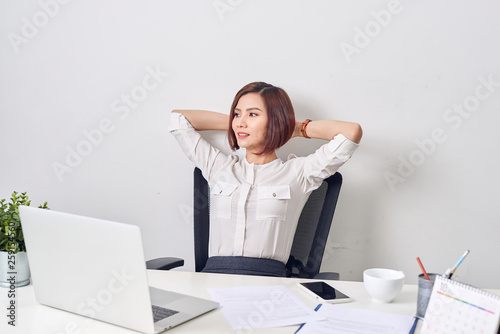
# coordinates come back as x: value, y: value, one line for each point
x: 280, y: 115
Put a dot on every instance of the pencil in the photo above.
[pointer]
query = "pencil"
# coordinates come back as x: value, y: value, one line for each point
x: 458, y: 263
x: 423, y: 270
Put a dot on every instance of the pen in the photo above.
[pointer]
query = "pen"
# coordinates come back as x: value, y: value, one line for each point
x: 412, y: 330
x: 423, y: 270
x: 449, y: 272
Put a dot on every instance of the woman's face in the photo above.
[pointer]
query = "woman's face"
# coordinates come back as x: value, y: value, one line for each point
x: 250, y: 122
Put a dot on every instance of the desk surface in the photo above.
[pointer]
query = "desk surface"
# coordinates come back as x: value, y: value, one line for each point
x: 35, y: 318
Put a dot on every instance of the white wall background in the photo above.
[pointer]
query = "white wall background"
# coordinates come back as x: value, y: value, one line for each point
x: 413, y: 77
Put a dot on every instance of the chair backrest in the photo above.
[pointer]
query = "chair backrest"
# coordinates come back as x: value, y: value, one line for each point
x: 310, y: 237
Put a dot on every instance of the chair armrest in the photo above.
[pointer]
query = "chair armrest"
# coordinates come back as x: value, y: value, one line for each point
x: 164, y: 263
x: 326, y: 275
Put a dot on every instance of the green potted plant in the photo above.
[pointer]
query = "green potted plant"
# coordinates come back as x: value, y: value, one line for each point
x: 13, y: 258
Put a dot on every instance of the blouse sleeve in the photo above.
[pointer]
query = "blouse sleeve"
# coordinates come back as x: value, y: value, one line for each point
x: 206, y: 157
x: 326, y: 161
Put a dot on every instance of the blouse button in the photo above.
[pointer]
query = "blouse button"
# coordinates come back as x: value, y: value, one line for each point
x: 274, y: 194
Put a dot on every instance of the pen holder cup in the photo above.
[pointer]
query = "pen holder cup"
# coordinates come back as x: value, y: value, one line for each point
x: 425, y: 287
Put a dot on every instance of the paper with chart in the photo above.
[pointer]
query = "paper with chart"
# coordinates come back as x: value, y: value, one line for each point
x: 262, y: 306
x: 339, y: 319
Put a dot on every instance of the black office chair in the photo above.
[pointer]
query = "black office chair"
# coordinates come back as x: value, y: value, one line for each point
x: 308, y: 244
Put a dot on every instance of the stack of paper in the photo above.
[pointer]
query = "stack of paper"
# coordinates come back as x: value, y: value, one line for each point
x: 274, y: 306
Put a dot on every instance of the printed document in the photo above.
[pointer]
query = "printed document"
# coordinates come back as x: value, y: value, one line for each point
x: 341, y: 319
x: 262, y: 306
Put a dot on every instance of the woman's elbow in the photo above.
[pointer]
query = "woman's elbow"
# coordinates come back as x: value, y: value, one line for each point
x: 355, y: 133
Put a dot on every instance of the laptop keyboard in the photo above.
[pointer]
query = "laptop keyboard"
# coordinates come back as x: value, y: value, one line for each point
x: 160, y: 313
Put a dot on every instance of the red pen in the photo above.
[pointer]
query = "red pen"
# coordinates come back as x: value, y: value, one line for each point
x: 423, y: 270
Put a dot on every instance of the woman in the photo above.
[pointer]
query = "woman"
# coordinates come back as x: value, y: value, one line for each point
x: 255, y: 202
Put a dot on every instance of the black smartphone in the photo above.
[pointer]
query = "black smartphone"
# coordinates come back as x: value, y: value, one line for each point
x: 325, y: 292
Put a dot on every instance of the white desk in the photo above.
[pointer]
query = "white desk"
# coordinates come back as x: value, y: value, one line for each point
x: 34, y: 318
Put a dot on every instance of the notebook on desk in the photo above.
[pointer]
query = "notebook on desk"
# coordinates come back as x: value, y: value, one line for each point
x: 96, y: 268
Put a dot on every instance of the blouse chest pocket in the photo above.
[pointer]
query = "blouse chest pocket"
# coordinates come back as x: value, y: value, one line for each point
x: 272, y: 202
x: 222, y: 195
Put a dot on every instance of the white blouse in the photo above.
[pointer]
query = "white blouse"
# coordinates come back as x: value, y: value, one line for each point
x: 254, y: 209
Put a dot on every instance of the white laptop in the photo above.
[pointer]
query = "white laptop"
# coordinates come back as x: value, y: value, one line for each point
x: 96, y: 268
